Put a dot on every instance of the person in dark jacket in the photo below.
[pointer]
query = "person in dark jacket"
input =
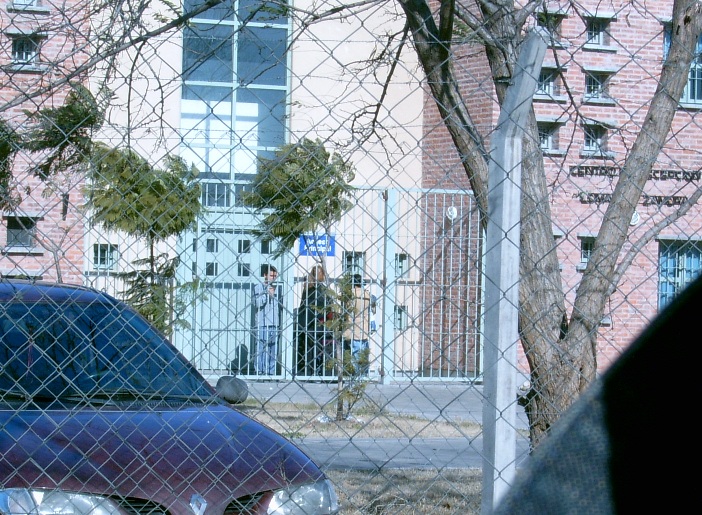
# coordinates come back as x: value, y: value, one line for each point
x: 315, y: 340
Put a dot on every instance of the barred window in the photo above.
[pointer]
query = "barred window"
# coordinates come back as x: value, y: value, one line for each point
x: 21, y: 231
x: 595, y: 139
x: 693, y: 90
x: 354, y: 262
x: 597, y: 31
x: 25, y: 49
x: 679, y: 262
x: 105, y: 256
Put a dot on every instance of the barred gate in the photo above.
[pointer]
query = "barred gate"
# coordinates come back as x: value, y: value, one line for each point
x: 427, y: 285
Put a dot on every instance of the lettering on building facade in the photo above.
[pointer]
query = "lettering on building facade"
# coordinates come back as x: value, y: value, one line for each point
x: 588, y: 197
x: 656, y: 175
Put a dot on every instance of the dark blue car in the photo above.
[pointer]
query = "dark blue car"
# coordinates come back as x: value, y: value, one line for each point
x: 100, y: 414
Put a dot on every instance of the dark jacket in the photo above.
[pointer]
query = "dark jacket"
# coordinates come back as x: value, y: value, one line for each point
x: 315, y: 308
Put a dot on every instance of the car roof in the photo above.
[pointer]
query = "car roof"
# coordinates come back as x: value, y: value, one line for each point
x: 35, y: 291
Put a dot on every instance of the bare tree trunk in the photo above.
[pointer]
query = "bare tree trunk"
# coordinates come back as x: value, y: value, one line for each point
x: 561, y: 354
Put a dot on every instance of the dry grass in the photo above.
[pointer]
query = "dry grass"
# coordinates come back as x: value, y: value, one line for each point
x: 389, y: 491
x: 310, y: 421
x: 415, y: 492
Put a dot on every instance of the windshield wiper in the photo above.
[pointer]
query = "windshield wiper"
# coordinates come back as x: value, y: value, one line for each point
x: 128, y: 394
x: 14, y: 395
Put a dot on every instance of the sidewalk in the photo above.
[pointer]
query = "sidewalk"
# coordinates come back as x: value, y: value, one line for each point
x: 450, y: 401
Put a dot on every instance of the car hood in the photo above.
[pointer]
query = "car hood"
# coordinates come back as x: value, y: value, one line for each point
x: 162, y: 454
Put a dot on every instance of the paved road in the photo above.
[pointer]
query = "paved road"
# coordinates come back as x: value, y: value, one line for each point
x: 417, y: 453
x: 449, y: 401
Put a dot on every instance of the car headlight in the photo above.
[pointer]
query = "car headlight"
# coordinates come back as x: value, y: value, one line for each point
x: 21, y: 501
x: 309, y: 499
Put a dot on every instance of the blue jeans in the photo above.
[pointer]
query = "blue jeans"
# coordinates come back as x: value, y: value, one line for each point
x: 267, y: 351
x: 357, y: 346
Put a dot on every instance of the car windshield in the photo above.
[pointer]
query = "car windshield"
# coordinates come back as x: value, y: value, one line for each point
x: 51, y: 350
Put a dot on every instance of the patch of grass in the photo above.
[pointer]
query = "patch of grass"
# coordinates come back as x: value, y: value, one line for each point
x: 411, y: 492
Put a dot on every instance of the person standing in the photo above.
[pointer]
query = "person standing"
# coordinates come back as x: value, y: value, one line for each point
x: 267, y: 321
x: 359, y: 325
x: 315, y: 340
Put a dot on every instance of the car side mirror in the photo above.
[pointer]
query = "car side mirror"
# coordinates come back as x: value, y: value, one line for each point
x: 232, y: 389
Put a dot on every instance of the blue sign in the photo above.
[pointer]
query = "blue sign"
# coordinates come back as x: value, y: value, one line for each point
x: 321, y: 245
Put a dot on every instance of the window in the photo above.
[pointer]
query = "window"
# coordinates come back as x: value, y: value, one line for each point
x: 548, y: 136
x: 211, y: 269
x: 235, y: 88
x: 105, y: 256
x: 21, y: 231
x: 547, y: 83
x: 596, y: 85
x: 586, y: 245
x: 243, y: 269
x: 679, y: 262
x: 212, y: 245
x: 25, y: 49
x: 693, y: 90
x: 400, y: 318
x: 551, y: 22
x: 595, y: 140
x: 23, y: 4
x: 243, y: 246
x: 354, y: 262
x: 597, y: 31
x: 215, y: 194
x: 549, y: 127
x: 401, y: 263
x: 266, y: 247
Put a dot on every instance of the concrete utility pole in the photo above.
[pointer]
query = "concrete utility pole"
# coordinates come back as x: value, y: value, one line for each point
x: 502, y: 276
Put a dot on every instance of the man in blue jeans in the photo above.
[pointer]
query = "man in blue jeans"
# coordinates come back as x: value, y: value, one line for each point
x: 267, y: 321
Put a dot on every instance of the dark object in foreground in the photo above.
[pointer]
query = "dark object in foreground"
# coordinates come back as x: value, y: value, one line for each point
x: 629, y: 440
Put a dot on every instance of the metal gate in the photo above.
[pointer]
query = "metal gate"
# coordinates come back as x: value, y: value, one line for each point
x: 419, y: 253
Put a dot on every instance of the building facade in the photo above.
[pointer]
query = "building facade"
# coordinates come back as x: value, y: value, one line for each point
x: 600, y: 71
x: 244, y: 78
x: 41, y: 235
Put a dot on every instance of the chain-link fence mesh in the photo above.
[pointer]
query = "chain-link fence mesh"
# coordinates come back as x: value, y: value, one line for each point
x: 176, y: 155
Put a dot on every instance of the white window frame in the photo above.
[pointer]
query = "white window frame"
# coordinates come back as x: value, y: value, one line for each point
x: 21, y: 232
x: 216, y: 194
x: 211, y: 269
x: 596, y: 31
x: 105, y: 256
x: 400, y: 317
x: 546, y: 85
x: 26, y: 49
x: 24, y: 4
x: 597, y: 84
x: 548, y: 136
x: 595, y: 139
x: 212, y: 245
x: 692, y: 94
x: 354, y: 262
x: 679, y: 263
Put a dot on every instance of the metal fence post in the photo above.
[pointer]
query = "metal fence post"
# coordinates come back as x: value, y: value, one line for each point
x: 502, y: 276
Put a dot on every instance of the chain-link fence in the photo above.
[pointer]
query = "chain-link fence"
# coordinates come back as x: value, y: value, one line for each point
x: 174, y: 156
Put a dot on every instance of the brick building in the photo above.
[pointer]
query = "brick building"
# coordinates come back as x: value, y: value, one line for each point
x: 599, y: 73
x: 41, y: 50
